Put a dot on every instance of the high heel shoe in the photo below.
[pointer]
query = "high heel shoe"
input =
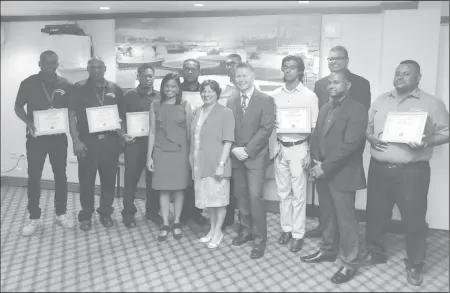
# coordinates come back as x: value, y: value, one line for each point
x: 205, y: 239
x: 215, y: 245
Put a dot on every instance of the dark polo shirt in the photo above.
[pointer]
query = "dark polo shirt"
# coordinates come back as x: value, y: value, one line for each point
x: 185, y: 87
x: 84, y: 97
x: 32, y: 94
x: 136, y: 100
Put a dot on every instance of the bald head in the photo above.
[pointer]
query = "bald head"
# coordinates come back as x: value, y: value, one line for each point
x: 48, y: 62
x: 96, y: 69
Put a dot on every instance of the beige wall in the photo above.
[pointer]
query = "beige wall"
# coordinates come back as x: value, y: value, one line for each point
x: 376, y: 44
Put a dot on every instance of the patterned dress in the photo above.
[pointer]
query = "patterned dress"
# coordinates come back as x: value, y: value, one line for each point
x: 209, y: 192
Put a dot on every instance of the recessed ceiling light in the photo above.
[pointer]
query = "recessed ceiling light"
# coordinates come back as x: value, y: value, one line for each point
x: 199, y: 5
x: 104, y: 8
x: 303, y: 2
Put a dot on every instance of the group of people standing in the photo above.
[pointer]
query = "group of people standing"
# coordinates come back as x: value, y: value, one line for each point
x: 215, y: 157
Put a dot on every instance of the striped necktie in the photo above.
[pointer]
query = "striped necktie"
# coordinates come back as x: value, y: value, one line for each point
x: 244, y: 103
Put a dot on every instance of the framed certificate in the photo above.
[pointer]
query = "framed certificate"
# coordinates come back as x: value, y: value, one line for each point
x: 138, y: 124
x: 104, y: 118
x: 53, y: 121
x: 194, y: 99
x: 294, y: 120
x: 404, y: 127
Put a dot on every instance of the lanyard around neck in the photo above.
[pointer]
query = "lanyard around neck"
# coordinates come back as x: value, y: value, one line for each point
x: 49, y: 98
x: 102, y: 98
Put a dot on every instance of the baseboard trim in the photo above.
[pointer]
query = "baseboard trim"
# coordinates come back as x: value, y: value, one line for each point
x: 395, y: 226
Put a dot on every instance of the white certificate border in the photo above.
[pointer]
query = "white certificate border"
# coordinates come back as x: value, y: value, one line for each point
x: 128, y: 115
x: 89, y: 112
x: 296, y: 130
x: 415, y: 115
x: 64, y: 130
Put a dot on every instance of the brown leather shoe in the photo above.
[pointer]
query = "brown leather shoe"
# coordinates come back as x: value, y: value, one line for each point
x: 314, y: 233
x: 343, y: 275
x: 241, y: 239
x: 319, y: 256
x: 285, y: 237
x: 296, y: 245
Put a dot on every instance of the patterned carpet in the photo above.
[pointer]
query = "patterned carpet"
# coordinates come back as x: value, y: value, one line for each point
x: 120, y: 260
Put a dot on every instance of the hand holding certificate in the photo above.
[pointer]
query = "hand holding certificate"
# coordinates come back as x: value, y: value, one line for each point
x: 104, y: 118
x: 404, y: 127
x: 49, y: 122
x: 138, y: 124
x: 294, y: 120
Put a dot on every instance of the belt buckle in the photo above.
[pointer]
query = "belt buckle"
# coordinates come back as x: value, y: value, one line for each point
x: 101, y: 136
x: 392, y: 166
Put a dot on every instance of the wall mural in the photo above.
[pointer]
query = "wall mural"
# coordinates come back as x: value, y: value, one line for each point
x: 261, y: 40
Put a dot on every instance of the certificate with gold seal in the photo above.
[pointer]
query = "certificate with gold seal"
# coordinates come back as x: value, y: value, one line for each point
x: 404, y: 127
x: 103, y: 118
x: 138, y: 124
x: 294, y: 119
x: 49, y: 122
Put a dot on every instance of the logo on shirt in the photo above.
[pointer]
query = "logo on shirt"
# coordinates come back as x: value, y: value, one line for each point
x: 62, y: 92
x: 112, y: 95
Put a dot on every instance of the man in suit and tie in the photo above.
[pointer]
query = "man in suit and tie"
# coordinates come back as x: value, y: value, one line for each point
x: 337, y: 145
x: 360, y: 91
x: 254, y: 113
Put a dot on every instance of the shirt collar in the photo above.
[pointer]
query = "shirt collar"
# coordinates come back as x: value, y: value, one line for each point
x: 415, y: 93
x: 298, y: 88
x: 185, y: 87
x: 249, y: 93
x: 104, y: 82
x: 140, y: 91
x: 53, y: 80
x: 338, y: 101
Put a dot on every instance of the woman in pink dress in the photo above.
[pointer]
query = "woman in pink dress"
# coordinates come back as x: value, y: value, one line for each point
x: 212, y: 133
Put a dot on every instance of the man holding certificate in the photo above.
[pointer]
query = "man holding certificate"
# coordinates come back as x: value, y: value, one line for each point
x: 404, y: 126
x: 136, y: 106
x: 95, y: 113
x: 337, y: 145
x: 292, y: 157
x: 46, y: 95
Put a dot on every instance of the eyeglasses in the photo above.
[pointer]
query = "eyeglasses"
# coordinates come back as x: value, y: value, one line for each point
x: 291, y: 68
x: 332, y: 59
x: 229, y: 64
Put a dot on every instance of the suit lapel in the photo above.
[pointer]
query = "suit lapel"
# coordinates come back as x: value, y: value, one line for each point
x: 238, y: 110
x: 342, y: 109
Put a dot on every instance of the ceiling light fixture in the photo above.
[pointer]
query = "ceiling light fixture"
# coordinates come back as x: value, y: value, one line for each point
x: 303, y: 2
x: 104, y: 8
x: 199, y: 5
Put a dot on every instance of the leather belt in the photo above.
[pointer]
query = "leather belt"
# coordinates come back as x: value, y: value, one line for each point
x: 399, y: 165
x: 291, y: 144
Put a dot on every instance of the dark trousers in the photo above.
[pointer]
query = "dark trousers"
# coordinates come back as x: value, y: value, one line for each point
x: 103, y: 155
x: 231, y: 207
x: 37, y: 149
x: 135, y: 162
x: 190, y: 211
x: 406, y: 186
x: 340, y: 232
x: 248, y: 189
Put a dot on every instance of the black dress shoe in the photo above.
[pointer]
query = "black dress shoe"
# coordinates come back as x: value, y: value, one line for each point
x: 370, y: 259
x: 155, y: 218
x: 107, y: 222
x: 85, y: 225
x: 414, y: 274
x: 296, y: 245
x: 314, y: 233
x: 343, y: 275
x: 241, y: 239
x: 319, y: 256
x: 257, y: 252
x: 285, y: 237
x: 129, y: 222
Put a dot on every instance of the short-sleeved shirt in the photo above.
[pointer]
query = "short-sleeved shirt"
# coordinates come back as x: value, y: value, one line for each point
x: 32, y: 94
x: 136, y: 100
x: 85, y: 97
x: 301, y: 96
x: 417, y: 101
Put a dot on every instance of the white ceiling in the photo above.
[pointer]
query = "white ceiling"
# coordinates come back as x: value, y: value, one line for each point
x: 21, y: 8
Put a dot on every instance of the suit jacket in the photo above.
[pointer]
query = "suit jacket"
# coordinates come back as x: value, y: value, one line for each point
x: 253, y: 129
x: 360, y: 90
x: 340, y: 148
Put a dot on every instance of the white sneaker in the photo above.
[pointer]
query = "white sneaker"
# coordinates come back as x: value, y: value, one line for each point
x: 31, y: 227
x: 65, y: 221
